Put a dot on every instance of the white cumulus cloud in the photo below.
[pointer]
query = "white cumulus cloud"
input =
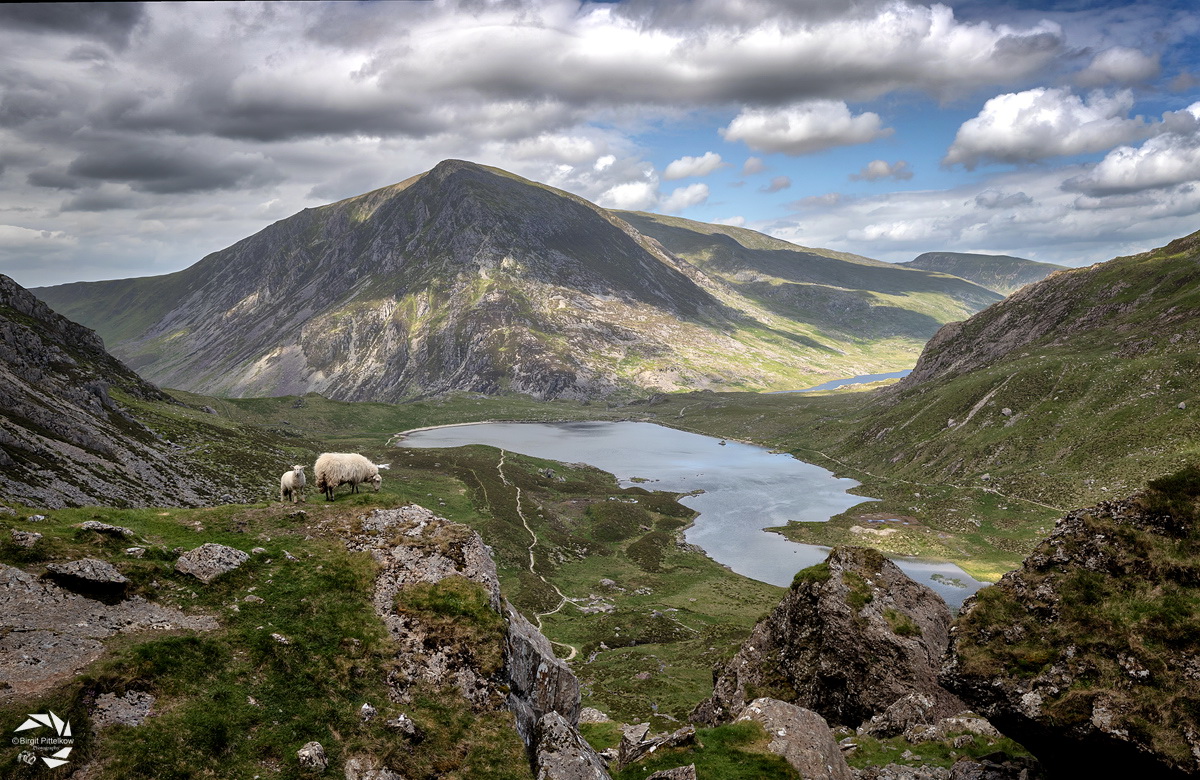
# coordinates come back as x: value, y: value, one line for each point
x: 1045, y: 122
x: 692, y: 166
x: 1167, y: 160
x: 803, y: 128
x: 882, y: 169
x: 1119, y: 65
x: 683, y: 197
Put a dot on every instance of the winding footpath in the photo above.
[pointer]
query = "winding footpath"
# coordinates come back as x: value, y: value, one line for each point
x: 563, y: 599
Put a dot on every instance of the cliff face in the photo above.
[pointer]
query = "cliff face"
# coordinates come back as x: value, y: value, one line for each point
x: 852, y: 637
x: 63, y: 439
x: 470, y: 278
x: 1087, y: 654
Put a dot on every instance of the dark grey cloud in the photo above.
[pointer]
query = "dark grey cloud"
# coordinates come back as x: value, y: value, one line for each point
x: 100, y: 201
x: 163, y: 169
x: 54, y: 179
x: 112, y: 23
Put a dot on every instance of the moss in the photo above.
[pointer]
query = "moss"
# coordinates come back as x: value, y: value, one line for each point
x: 900, y: 623
x: 813, y: 574
x: 859, y: 594
x: 457, y: 613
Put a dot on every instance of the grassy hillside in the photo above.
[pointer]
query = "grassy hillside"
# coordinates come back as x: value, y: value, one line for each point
x: 1000, y: 273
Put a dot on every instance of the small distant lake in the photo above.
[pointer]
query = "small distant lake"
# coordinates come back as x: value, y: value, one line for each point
x: 746, y: 489
x: 861, y: 379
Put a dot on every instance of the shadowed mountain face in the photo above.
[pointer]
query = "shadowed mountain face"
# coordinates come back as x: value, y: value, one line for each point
x: 1000, y: 273
x: 470, y: 278
x: 64, y: 440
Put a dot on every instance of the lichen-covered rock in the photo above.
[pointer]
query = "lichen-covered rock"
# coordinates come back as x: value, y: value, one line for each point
x: 801, y: 737
x: 25, y: 538
x: 105, y: 528
x: 563, y: 754
x: 48, y: 634
x: 209, y: 561
x: 88, y: 575
x: 636, y: 742
x: 368, y: 768
x: 130, y: 709
x: 851, y: 637
x: 678, y: 773
x: 539, y: 683
x: 312, y: 757
x: 1088, y: 654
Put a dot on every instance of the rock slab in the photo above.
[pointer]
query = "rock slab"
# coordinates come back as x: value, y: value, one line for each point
x: 801, y: 737
x: 209, y: 561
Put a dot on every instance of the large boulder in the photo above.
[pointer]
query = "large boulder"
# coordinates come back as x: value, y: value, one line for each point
x: 1088, y: 654
x: 851, y: 637
x: 563, y: 754
x: 209, y: 561
x: 801, y: 737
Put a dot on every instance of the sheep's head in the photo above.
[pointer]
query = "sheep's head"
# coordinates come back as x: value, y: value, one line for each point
x: 298, y: 468
x: 376, y: 481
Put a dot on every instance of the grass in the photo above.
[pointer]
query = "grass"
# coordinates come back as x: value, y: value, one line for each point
x: 237, y: 703
x: 733, y: 752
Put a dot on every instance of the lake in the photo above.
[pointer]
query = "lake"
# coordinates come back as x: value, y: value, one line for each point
x: 746, y: 489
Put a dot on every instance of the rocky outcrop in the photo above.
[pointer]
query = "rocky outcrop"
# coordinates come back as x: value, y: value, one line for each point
x: 637, y: 742
x: 414, y: 547
x: 851, y: 637
x: 47, y: 634
x: 801, y: 737
x: 1087, y: 654
x: 538, y: 682
x: 88, y: 575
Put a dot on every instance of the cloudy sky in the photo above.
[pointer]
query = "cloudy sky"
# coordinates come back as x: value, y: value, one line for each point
x: 135, y: 139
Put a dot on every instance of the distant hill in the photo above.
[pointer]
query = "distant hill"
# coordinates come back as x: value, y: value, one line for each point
x: 1000, y: 273
x: 470, y: 278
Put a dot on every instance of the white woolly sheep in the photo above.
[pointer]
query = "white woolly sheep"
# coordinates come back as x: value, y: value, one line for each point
x: 344, y: 468
x: 291, y: 485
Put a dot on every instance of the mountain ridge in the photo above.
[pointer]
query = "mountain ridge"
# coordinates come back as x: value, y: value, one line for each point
x: 1003, y: 274
x: 470, y: 278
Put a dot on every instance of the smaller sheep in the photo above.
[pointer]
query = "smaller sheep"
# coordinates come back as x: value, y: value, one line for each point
x: 344, y: 468
x: 291, y: 485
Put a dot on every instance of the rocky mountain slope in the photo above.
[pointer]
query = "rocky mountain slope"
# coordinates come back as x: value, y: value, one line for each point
x: 1079, y: 384
x: 470, y: 278
x: 851, y: 296
x: 1087, y: 654
x: 1003, y: 274
x: 68, y: 436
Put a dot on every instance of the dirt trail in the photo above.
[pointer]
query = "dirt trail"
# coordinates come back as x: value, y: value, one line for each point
x: 563, y: 599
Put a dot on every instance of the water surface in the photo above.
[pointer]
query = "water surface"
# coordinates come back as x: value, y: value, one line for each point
x: 746, y: 489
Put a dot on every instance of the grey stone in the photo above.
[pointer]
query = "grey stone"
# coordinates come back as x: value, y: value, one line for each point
x: 130, y: 709
x: 88, y: 574
x: 105, y: 528
x: 48, y: 634
x: 135, y: 552
x: 367, y: 768
x: 312, y: 757
x: 25, y: 538
x: 593, y: 715
x: 209, y: 561
x: 538, y: 682
x: 636, y: 742
x: 801, y: 737
x: 562, y: 754
x: 915, y: 709
x: 678, y: 773
x: 367, y: 712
